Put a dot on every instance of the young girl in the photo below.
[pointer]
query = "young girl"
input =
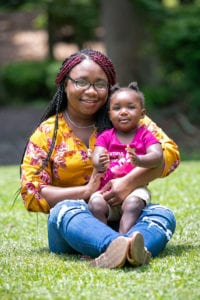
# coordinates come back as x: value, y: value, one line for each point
x: 119, y: 150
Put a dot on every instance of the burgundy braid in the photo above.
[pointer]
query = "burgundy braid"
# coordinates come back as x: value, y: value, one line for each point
x: 106, y: 64
x: 103, y: 61
x: 67, y: 65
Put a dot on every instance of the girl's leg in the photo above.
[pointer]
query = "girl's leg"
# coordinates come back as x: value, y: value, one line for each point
x: 99, y: 207
x: 157, y: 225
x: 72, y: 227
x: 131, y: 209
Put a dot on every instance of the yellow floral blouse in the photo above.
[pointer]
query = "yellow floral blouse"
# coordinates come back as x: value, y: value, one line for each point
x: 70, y: 163
x: 170, y: 149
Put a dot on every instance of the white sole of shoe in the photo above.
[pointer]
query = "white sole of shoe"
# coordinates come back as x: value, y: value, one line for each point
x: 138, y: 255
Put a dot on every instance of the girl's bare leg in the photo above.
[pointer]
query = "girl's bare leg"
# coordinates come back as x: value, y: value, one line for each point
x: 99, y: 207
x: 131, y: 209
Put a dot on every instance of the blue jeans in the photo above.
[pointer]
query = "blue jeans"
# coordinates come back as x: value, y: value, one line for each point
x: 72, y: 228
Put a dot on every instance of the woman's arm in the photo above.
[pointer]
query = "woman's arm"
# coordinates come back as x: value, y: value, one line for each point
x: 54, y: 194
x: 116, y: 190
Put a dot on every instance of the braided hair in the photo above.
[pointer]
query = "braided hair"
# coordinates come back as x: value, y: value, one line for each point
x: 59, y: 101
x: 133, y: 86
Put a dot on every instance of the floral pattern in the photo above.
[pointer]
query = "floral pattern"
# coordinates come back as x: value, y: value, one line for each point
x: 70, y: 164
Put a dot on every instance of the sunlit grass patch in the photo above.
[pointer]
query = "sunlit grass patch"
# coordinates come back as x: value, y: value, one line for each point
x: 29, y: 271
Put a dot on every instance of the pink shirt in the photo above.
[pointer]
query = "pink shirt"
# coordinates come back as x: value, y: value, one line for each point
x: 120, y: 163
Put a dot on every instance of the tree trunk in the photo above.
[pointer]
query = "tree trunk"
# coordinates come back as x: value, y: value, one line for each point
x: 125, y: 39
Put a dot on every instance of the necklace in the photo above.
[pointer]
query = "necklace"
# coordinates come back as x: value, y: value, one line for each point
x: 76, y: 125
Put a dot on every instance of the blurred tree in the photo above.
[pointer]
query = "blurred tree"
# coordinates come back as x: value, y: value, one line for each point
x: 65, y: 20
x: 18, y: 4
x: 128, y: 40
x: 11, y: 3
x: 178, y: 41
x: 158, y: 46
x: 72, y: 21
x: 122, y: 37
x: 187, y: 1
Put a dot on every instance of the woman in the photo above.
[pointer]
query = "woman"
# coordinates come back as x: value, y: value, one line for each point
x: 57, y: 167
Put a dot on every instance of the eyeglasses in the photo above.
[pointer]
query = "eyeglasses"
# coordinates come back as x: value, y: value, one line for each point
x: 83, y: 84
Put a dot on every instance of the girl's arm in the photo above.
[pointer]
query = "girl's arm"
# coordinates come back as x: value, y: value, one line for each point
x: 100, y: 159
x: 152, y: 159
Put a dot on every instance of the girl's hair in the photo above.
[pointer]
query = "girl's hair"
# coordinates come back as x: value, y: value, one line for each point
x: 133, y: 86
x: 59, y: 101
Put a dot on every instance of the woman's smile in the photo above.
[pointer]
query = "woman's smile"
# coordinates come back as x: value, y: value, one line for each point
x: 89, y: 102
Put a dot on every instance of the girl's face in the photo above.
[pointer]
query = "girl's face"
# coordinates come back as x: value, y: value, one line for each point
x: 125, y: 110
x: 85, y: 102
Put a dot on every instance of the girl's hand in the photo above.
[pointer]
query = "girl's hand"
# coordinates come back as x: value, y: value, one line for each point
x: 104, y: 161
x: 134, y: 159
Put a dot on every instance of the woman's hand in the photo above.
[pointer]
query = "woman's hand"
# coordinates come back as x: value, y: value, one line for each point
x: 55, y: 194
x: 116, y: 190
x: 94, y: 183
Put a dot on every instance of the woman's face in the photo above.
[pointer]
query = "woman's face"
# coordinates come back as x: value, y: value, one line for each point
x: 85, y: 102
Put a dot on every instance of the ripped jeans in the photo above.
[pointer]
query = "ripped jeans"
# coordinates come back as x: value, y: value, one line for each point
x: 72, y: 228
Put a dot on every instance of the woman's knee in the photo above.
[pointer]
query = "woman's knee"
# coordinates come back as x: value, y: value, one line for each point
x: 160, y: 215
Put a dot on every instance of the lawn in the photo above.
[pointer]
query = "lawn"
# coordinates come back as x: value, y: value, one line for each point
x: 29, y: 271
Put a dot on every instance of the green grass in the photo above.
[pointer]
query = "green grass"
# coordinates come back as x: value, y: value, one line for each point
x: 29, y: 271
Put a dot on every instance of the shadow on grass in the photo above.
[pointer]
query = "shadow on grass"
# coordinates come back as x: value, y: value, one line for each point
x: 178, y: 250
x: 63, y: 256
x: 171, y: 251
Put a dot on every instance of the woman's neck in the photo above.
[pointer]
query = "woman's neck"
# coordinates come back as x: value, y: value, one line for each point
x: 82, y: 124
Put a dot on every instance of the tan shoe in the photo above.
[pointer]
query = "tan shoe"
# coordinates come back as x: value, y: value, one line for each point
x: 138, y: 255
x: 114, y: 256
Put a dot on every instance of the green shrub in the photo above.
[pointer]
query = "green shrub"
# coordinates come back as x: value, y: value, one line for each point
x: 176, y: 35
x: 157, y: 96
x: 52, y: 68
x: 178, y: 41
x: 27, y: 81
